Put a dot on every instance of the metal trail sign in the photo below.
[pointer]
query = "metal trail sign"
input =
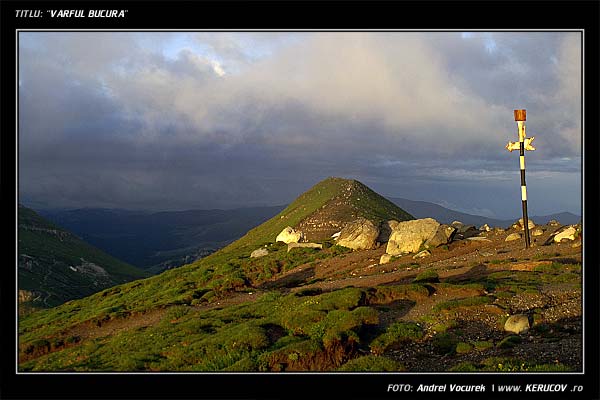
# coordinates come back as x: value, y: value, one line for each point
x: 523, y: 144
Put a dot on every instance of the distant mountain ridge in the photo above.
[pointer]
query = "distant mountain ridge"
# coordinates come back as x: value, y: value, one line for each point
x: 424, y: 209
x: 56, y: 266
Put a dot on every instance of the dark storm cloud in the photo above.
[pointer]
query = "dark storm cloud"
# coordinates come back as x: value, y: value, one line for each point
x: 135, y: 120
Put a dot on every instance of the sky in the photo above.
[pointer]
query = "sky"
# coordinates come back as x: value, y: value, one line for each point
x: 202, y: 120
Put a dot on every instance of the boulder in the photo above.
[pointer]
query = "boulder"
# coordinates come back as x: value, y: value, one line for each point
x: 336, y: 235
x: 479, y: 239
x: 518, y: 323
x: 513, y: 236
x: 309, y: 245
x: 485, y: 228
x: 359, y: 235
x: 385, y: 230
x: 290, y: 235
x: 408, y: 236
x: 422, y: 254
x: 443, y: 235
x: 386, y: 258
x: 466, y: 231
x: 569, y: 233
x: 537, y: 231
x: 521, y: 225
x: 457, y: 224
x: 259, y: 253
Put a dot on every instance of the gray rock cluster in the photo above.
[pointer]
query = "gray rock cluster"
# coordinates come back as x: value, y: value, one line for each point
x: 418, y: 236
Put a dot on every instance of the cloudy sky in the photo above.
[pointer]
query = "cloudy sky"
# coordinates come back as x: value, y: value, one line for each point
x: 182, y: 120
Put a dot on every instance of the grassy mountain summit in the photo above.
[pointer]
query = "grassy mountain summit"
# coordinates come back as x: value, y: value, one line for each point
x: 56, y: 266
x: 323, y: 210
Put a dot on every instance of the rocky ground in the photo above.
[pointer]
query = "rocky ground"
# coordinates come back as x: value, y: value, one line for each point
x: 556, y: 333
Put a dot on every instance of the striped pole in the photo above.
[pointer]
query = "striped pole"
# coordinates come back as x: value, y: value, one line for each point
x: 520, y: 117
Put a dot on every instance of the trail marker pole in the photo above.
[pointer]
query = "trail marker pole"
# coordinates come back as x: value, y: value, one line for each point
x: 523, y: 144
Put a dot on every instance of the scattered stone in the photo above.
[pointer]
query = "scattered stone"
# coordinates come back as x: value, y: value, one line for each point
x: 499, y: 230
x: 485, y: 228
x: 422, y: 254
x: 567, y: 233
x: 359, y: 235
x: 457, y: 224
x: 513, y: 236
x: 518, y: 323
x: 408, y: 236
x: 479, y: 239
x: 309, y: 245
x: 576, y: 244
x: 385, y: 230
x: 443, y: 235
x: 386, y: 258
x: 537, y: 232
x: 259, y: 253
x: 290, y: 235
x: 520, y: 225
x: 486, y: 254
x: 466, y: 231
x: 553, y: 222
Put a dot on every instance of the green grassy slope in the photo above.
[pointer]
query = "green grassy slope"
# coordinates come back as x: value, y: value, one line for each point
x: 56, y: 266
x: 213, y: 277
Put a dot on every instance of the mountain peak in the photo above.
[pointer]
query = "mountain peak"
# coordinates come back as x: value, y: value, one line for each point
x: 324, y: 209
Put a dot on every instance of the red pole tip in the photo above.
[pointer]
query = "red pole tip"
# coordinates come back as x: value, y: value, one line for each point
x: 520, y: 115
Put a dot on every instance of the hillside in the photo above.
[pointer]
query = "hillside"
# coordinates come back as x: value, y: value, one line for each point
x: 323, y: 210
x: 329, y: 309
x: 55, y: 266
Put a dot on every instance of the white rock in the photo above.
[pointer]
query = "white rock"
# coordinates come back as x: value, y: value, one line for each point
x: 537, y: 232
x: 568, y: 233
x: 479, y: 239
x: 521, y: 225
x: 359, y: 235
x: 259, y: 253
x: 513, y: 236
x: 309, y: 245
x: 408, y: 236
x: 422, y: 254
x: 290, y: 235
x: 517, y: 324
x: 386, y: 258
x: 485, y: 228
